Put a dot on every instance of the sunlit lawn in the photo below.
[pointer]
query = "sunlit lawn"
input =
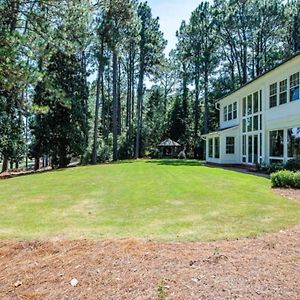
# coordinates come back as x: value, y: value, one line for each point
x: 160, y: 199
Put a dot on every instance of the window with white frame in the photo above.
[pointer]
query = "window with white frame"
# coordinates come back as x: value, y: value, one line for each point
x: 293, y: 142
x: 217, y: 147
x: 273, y: 95
x: 294, y: 87
x: 230, y: 112
x: 210, y: 148
x: 229, y: 145
x: 276, y: 143
x: 234, y: 110
x: 283, y: 91
x: 225, y: 116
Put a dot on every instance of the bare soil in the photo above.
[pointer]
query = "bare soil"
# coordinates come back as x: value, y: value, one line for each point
x: 293, y: 194
x: 264, y: 268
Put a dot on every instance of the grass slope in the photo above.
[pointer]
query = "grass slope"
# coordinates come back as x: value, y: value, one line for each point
x: 163, y: 199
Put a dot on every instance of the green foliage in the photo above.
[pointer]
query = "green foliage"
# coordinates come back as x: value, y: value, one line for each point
x: 270, y: 168
x: 293, y: 164
x: 59, y: 131
x: 286, y: 179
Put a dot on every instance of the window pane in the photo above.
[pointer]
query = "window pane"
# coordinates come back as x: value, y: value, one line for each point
x: 234, y: 110
x: 273, y: 94
x: 249, y: 124
x: 255, y: 123
x: 255, y: 150
x: 229, y: 112
x: 260, y: 122
x: 244, y: 106
x: 260, y: 100
x: 217, y: 147
x: 244, y: 145
x: 255, y: 102
x: 250, y: 149
x: 260, y: 144
x: 225, y: 113
x: 249, y: 107
x: 244, y: 125
x: 283, y: 91
x: 210, y: 148
x: 229, y: 145
x: 294, y: 142
x: 294, y: 87
x: 276, y: 143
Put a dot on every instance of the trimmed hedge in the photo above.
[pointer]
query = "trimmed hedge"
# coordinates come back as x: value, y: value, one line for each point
x: 286, y: 179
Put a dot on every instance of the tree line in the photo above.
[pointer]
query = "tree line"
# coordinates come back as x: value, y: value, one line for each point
x: 90, y: 80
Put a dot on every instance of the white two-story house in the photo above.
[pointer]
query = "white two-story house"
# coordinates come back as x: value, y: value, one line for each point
x: 259, y: 122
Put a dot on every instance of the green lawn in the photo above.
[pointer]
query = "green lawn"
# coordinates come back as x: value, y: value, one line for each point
x: 168, y: 200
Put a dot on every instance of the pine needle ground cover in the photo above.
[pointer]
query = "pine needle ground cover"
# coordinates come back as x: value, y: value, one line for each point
x: 152, y: 199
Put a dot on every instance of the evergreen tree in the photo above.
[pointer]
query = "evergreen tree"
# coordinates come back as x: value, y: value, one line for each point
x: 59, y: 125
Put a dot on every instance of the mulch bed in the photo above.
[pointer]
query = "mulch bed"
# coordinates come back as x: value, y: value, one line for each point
x: 292, y: 194
x: 264, y: 268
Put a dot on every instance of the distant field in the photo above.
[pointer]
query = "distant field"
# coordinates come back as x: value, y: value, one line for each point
x: 157, y: 199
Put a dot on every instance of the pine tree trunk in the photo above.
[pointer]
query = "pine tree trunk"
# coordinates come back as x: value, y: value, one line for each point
x: 139, y: 107
x: 96, y: 120
x: 4, y: 165
x: 115, y: 106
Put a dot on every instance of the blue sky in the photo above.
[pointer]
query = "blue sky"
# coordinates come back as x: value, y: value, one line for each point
x: 171, y: 13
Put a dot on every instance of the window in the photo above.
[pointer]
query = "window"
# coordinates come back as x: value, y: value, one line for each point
x: 260, y: 100
x: 273, y: 95
x: 244, y: 125
x: 210, y: 147
x: 234, y: 112
x: 244, y: 106
x: 283, y: 91
x: 249, y: 124
x: 229, y: 112
x: 225, y: 114
x: 229, y: 145
x: 255, y: 123
x: 249, y: 107
x: 250, y: 149
x: 255, y: 102
x: 244, y: 144
x: 217, y: 147
x: 276, y: 143
x: 293, y: 139
x: 260, y: 122
x: 294, y: 87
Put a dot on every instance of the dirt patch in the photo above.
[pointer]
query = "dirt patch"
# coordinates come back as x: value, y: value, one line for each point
x: 264, y: 268
x: 292, y: 194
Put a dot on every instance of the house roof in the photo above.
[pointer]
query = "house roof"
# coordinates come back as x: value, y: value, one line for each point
x: 263, y: 74
x: 220, y: 130
x: 168, y: 143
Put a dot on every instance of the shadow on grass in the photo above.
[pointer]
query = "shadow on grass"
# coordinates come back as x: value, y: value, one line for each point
x: 176, y: 162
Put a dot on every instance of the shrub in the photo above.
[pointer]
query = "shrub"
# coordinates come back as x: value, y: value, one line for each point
x: 297, y: 180
x: 293, y: 164
x: 270, y: 168
x: 282, y: 179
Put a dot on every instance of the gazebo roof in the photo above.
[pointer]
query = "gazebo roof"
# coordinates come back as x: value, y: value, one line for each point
x: 168, y: 143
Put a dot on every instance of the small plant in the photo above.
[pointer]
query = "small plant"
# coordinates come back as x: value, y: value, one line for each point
x: 286, y: 179
x: 216, y: 251
x: 161, y: 293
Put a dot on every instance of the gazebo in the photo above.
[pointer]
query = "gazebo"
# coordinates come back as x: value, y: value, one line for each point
x: 168, y: 148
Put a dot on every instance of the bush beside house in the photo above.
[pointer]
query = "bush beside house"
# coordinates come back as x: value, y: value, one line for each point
x: 286, y: 179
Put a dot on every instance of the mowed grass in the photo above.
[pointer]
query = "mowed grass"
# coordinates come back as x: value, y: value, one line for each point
x: 160, y: 199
